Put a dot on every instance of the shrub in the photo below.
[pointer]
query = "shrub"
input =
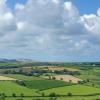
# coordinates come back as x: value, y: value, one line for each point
x: 22, y: 95
x: 43, y: 94
x: 69, y: 94
x: 52, y: 94
x: 13, y: 95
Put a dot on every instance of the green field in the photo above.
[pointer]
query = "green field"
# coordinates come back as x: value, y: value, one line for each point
x: 59, y: 98
x: 91, y: 74
x: 75, y: 90
x: 9, y: 87
x: 44, y: 84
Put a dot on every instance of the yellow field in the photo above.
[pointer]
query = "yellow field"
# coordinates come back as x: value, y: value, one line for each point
x: 68, y: 78
x: 4, y: 78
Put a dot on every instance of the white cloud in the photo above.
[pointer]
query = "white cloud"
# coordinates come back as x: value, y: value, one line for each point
x: 92, y: 23
x: 98, y: 12
x: 19, y: 6
x: 7, y: 20
x: 48, y: 26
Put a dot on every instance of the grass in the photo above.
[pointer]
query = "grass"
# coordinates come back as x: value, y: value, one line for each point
x: 44, y: 84
x: 9, y: 87
x: 75, y: 90
x: 22, y: 77
x: 60, y: 98
x: 93, y: 75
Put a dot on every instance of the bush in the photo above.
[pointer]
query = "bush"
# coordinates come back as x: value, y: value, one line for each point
x: 13, y: 95
x: 43, y: 94
x: 69, y: 94
x: 22, y: 95
x: 52, y: 95
x: 20, y: 82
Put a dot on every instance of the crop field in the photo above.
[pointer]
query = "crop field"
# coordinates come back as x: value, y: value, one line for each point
x: 68, y: 78
x: 22, y: 77
x: 44, y: 84
x: 62, y: 68
x: 4, y: 78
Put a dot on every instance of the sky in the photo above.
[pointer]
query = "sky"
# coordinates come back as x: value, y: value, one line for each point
x: 50, y: 30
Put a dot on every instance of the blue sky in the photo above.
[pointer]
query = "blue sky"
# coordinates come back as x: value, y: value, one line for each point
x: 84, y: 6
x: 67, y: 31
x: 87, y: 6
x: 12, y: 3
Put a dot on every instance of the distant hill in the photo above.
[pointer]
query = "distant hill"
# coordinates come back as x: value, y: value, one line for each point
x: 7, y: 60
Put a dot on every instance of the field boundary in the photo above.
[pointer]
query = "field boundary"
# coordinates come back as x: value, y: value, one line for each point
x: 88, y: 95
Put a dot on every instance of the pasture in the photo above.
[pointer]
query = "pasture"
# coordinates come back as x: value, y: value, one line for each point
x: 10, y: 87
x: 74, y: 89
x: 58, y: 98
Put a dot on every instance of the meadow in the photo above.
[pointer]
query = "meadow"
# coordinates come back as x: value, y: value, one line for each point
x: 74, y: 90
x: 10, y: 87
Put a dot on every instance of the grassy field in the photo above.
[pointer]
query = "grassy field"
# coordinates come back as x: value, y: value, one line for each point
x: 44, y: 84
x: 9, y: 87
x: 60, y: 98
x: 23, y: 77
x: 75, y: 90
x: 92, y: 74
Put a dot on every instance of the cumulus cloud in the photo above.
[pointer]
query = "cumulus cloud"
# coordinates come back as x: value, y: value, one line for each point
x: 19, y: 6
x: 92, y: 22
x: 7, y: 20
x: 98, y: 12
x: 48, y: 27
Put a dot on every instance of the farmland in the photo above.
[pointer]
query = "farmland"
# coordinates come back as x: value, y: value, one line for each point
x: 33, y: 82
x: 4, y: 78
x: 68, y: 78
x: 74, y: 89
x: 39, y: 84
x: 22, y: 77
x: 9, y: 87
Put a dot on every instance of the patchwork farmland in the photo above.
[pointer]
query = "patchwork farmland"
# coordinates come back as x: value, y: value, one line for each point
x: 50, y: 82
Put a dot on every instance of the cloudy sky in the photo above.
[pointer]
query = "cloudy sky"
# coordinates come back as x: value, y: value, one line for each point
x: 50, y: 30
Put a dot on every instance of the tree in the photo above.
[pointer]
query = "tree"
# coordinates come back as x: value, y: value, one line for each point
x: 2, y: 96
x: 20, y: 82
x: 54, y: 78
x: 43, y: 94
x: 52, y: 94
x: 50, y: 78
x: 61, y: 79
x: 70, y: 81
x: 69, y: 94
x: 22, y: 95
x: 13, y: 95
